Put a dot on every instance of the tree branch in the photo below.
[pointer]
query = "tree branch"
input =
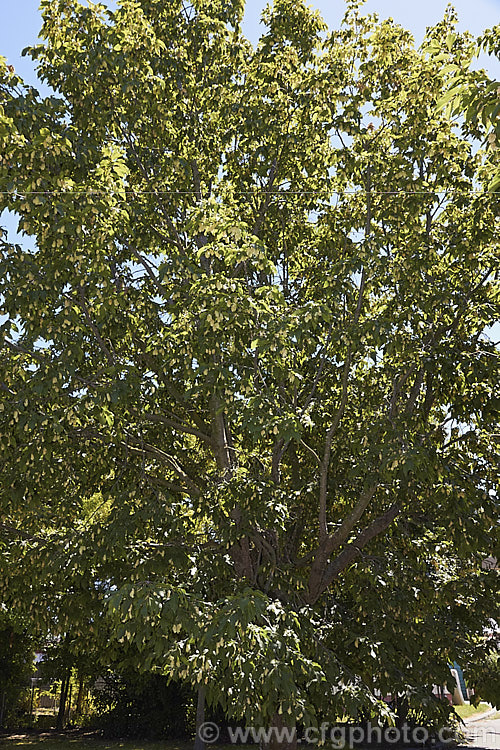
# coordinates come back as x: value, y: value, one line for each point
x: 351, y: 552
x: 265, y: 204
x: 83, y: 306
x: 323, y: 484
x: 179, y: 426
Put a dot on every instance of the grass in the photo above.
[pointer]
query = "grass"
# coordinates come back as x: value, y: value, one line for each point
x: 467, y: 711
x: 88, y: 741
x: 47, y: 741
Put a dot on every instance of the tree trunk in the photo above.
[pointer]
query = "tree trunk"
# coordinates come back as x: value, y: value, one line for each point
x: 284, y: 734
x: 62, y: 700
x: 402, y: 708
x: 59, y: 720
x: 80, y: 696
x: 3, y: 700
x: 200, y: 718
x: 32, y: 700
x: 68, y: 702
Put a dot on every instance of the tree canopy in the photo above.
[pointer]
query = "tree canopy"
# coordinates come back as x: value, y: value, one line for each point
x: 249, y: 404
x: 473, y: 93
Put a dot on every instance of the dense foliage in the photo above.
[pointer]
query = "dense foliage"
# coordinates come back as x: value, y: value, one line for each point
x: 16, y: 667
x: 484, y: 678
x: 249, y: 405
x: 474, y: 94
x: 134, y: 704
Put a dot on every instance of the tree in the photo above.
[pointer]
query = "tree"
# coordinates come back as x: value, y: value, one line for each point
x: 16, y: 664
x: 251, y: 313
x: 72, y: 663
x: 473, y: 93
x: 485, y: 680
x: 135, y: 704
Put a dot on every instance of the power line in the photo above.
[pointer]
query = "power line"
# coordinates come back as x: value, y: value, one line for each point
x: 283, y: 194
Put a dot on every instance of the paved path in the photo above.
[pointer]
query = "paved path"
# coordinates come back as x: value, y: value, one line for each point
x: 483, y: 734
x: 481, y: 717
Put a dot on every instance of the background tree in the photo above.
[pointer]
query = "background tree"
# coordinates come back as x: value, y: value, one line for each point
x: 251, y: 314
x: 136, y: 704
x: 72, y: 665
x: 485, y: 679
x: 16, y: 665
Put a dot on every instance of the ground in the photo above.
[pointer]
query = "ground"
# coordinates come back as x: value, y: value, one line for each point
x: 77, y: 741
x: 465, y: 711
x: 480, y: 735
x: 483, y: 735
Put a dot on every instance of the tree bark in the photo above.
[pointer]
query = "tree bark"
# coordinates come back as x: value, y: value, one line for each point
x: 62, y: 700
x: 284, y: 735
x: 200, y: 718
x: 67, y: 707
x: 2, y: 707
x: 80, y: 696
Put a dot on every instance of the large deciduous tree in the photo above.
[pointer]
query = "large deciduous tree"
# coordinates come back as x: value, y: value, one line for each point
x: 472, y: 93
x: 248, y: 399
